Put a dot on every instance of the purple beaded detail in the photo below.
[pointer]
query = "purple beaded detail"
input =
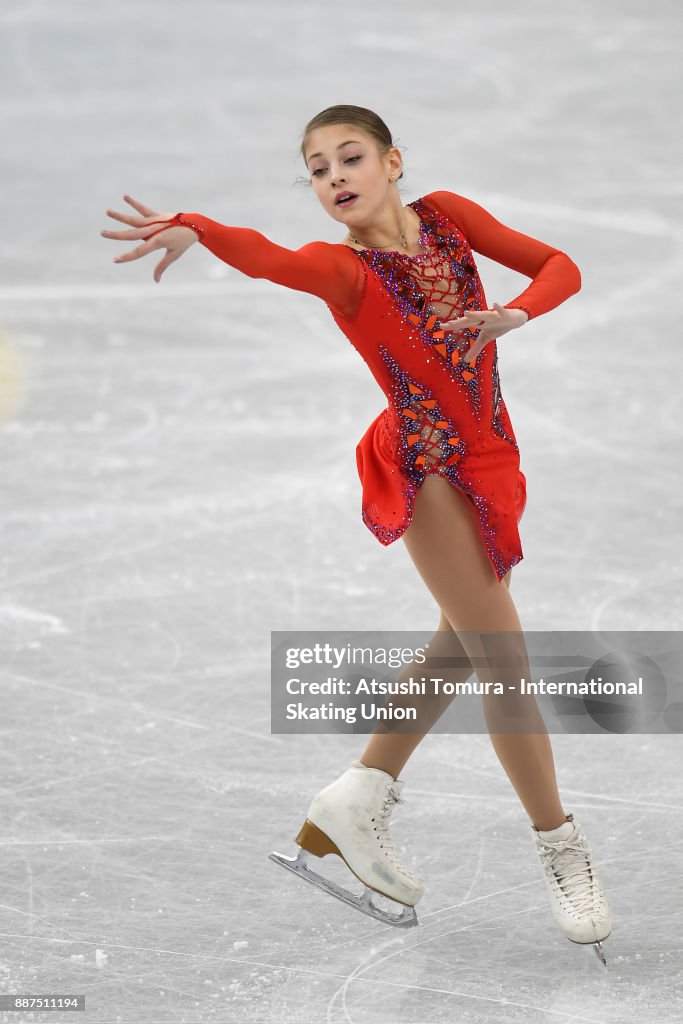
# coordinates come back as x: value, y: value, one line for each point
x: 444, y: 275
x: 500, y: 415
x: 502, y: 565
x: 428, y: 439
x: 383, y: 533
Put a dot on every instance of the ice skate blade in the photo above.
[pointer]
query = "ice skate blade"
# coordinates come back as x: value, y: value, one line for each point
x: 407, y: 918
x: 597, y: 948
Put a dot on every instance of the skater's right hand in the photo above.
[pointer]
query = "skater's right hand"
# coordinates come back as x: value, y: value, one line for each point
x: 175, y: 239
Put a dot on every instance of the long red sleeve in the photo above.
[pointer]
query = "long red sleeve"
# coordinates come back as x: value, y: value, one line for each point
x: 318, y: 268
x: 555, y: 276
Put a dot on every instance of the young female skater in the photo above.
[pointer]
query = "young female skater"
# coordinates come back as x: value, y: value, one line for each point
x: 439, y: 468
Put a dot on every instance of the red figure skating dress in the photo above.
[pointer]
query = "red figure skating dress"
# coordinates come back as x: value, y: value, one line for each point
x: 443, y: 415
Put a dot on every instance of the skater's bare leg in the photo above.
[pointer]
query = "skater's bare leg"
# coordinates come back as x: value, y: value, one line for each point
x: 389, y: 749
x: 445, y: 544
x: 526, y: 758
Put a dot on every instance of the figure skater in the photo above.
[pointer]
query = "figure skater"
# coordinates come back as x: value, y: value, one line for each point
x: 439, y: 468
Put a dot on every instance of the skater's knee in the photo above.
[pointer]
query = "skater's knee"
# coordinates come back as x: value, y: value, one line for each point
x: 508, y: 705
x: 444, y: 625
x: 499, y: 657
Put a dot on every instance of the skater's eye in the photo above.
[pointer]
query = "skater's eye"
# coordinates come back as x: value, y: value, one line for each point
x: 348, y: 161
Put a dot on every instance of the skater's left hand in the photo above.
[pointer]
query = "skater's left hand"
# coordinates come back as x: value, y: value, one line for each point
x: 492, y: 324
x: 176, y: 238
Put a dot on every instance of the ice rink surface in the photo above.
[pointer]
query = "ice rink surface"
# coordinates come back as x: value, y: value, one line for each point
x: 179, y: 479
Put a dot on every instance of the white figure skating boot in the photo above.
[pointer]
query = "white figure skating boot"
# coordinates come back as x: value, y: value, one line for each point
x: 577, y: 898
x: 350, y: 818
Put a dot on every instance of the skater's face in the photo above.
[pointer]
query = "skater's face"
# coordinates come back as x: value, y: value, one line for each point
x: 344, y: 158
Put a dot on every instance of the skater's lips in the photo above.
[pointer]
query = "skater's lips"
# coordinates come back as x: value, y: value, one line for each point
x: 341, y: 195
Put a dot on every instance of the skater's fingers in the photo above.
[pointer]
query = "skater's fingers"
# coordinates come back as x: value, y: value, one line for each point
x: 466, y: 319
x: 175, y: 239
x: 474, y: 350
x: 134, y: 254
x: 126, y: 218
x: 168, y: 259
x: 146, y: 211
x: 124, y: 235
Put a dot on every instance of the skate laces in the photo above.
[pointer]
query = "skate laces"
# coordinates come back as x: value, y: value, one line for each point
x: 569, y: 862
x: 390, y: 798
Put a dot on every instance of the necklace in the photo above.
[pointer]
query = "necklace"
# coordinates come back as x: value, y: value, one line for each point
x: 402, y: 238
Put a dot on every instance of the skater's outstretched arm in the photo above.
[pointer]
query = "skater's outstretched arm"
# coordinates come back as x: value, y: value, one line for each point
x: 319, y: 268
x: 555, y: 276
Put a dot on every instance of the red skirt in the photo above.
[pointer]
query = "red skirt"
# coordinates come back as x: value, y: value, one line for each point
x: 389, y: 496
